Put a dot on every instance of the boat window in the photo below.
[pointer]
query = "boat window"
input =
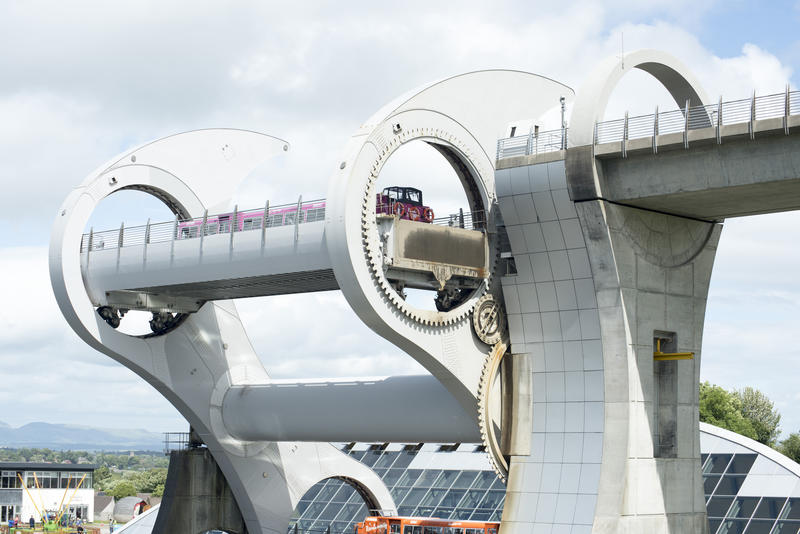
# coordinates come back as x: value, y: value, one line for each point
x: 414, y: 196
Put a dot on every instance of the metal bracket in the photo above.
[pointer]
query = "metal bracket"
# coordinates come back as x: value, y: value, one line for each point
x: 664, y: 356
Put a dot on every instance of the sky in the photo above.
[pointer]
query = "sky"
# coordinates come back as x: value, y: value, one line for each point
x: 83, y: 81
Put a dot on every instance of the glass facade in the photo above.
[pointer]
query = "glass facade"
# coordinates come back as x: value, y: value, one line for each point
x: 475, y: 492
x: 58, y: 480
x: 731, y: 513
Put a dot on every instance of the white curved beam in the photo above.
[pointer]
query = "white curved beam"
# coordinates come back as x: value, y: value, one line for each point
x: 194, y: 364
x: 462, y: 116
x: 593, y: 95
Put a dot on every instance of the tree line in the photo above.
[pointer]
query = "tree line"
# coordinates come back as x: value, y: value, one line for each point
x: 139, y: 460
x: 119, y: 474
x: 747, y: 412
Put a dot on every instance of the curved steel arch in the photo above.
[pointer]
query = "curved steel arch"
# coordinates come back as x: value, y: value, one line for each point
x: 194, y: 364
x: 593, y: 95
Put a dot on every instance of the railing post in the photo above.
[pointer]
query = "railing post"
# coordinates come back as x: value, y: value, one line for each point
x: 655, y: 132
x: 752, y: 124
x: 686, y: 125
x: 297, y: 219
x: 203, y: 231
x: 497, y: 158
x: 264, y: 226
x: 529, y: 142
x: 719, y: 121
x: 234, y: 224
x: 146, y: 242
x: 625, y: 137
x: 119, y: 241
x: 89, y: 247
x: 787, y: 111
x: 594, y: 136
x: 174, y: 238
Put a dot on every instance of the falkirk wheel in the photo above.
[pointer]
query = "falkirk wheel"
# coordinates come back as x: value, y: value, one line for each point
x: 541, y: 348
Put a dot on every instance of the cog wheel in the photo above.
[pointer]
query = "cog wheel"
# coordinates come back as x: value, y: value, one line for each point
x: 372, y: 247
x: 490, y: 368
x: 489, y: 320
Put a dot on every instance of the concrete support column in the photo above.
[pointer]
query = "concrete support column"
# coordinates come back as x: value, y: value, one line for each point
x: 197, y: 498
x: 615, y: 444
x: 553, y: 317
x: 651, y: 273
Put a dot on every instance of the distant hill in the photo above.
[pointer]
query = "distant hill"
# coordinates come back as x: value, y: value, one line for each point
x: 77, y: 437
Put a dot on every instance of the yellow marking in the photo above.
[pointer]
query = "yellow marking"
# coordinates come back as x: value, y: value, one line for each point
x: 30, y: 497
x: 664, y: 356
x: 71, y: 497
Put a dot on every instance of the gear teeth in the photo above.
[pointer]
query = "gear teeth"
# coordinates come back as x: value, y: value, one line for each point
x: 370, y: 247
x: 484, y: 385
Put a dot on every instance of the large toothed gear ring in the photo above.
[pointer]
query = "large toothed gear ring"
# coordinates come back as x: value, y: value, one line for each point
x: 372, y: 246
x: 490, y: 369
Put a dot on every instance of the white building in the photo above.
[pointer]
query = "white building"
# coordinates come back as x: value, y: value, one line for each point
x: 46, y: 487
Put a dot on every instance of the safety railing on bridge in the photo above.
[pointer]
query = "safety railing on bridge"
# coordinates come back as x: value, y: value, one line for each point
x: 241, y: 221
x: 224, y: 223
x: 535, y: 142
x: 469, y: 220
x: 748, y: 110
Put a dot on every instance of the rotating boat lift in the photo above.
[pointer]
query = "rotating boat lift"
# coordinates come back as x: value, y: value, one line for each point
x: 270, y: 439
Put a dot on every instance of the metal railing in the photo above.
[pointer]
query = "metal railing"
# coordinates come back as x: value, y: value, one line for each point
x: 535, y: 142
x: 209, y: 224
x: 254, y: 219
x: 463, y: 219
x: 175, y: 441
x: 748, y: 110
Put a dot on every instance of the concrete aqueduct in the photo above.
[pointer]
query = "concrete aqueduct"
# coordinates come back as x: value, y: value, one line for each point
x: 579, y: 284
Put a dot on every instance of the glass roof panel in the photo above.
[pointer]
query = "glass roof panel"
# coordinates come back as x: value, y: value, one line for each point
x: 465, y: 479
x: 760, y: 526
x: 770, y: 507
x: 741, y: 463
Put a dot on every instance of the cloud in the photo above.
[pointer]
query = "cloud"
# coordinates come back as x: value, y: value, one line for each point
x: 48, y: 373
x: 753, y: 305
x: 85, y: 80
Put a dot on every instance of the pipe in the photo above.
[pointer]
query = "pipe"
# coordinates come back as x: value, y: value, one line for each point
x: 391, y: 409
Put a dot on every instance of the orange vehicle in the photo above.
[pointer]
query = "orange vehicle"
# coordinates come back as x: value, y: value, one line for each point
x: 423, y: 525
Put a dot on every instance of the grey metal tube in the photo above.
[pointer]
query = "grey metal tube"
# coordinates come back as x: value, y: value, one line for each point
x: 394, y: 409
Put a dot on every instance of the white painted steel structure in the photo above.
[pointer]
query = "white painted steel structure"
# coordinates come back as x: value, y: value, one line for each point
x: 195, y: 364
x: 199, y: 361
x: 595, y: 436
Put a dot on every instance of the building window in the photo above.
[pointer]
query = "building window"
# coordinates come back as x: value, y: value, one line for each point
x: 45, y: 479
x: 71, y: 480
x: 8, y: 479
